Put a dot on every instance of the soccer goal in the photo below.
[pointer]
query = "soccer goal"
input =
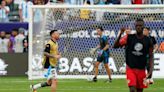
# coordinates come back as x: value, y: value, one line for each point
x: 77, y: 25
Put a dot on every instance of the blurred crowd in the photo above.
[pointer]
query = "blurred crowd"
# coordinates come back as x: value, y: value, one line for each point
x: 14, y: 42
x: 17, y: 10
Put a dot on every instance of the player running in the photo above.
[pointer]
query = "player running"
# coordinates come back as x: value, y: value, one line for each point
x: 146, y: 32
x: 51, y: 56
x: 103, y: 54
x: 137, y: 48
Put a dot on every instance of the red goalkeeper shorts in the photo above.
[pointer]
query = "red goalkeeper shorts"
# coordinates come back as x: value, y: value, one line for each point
x: 135, y: 77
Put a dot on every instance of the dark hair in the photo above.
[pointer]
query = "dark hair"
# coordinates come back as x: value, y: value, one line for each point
x: 52, y: 31
x: 99, y: 27
x: 88, y: 2
x: 147, y: 28
x: 16, y: 30
x: 139, y: 19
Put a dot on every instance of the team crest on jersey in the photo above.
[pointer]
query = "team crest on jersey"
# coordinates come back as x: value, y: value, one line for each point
x: 138, y: 47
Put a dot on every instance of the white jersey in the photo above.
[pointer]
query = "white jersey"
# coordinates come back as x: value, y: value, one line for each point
x: 18, y: 46
x: 4, y: 45
x: 24, y: 7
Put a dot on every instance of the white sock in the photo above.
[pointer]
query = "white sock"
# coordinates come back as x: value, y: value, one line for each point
x: 36, y: 86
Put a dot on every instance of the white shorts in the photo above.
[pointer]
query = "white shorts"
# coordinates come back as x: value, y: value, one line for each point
x: 52, y: 74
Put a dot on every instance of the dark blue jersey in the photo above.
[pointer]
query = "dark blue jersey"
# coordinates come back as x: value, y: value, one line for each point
x: 103, y: 42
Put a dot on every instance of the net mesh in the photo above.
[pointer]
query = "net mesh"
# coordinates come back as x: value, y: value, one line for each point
x: 78, y: 35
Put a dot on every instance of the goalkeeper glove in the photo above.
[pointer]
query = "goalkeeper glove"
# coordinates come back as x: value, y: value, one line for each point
x: 93, y: 50
x: 100, y: 52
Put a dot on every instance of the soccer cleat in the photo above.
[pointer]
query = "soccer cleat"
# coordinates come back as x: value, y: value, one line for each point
x: 32, y: 89
x: 94, y: 79
x: 151, y: 81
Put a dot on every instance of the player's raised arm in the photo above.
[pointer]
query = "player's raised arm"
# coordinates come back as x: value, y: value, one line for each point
x: 120, y: 41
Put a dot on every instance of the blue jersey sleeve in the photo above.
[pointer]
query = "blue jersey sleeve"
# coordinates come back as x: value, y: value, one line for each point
x: 105, y: 39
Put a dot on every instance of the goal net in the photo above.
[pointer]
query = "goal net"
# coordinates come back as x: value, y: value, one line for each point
x: 77, y: 25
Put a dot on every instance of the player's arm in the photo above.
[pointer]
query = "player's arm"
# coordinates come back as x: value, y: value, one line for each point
x: 120, y: 41
x: 155, y: 45
x: 106, y: 45
x: 9, y: 44
x: 93, y: 50
x: 47, y: 52
x: 151, y: 61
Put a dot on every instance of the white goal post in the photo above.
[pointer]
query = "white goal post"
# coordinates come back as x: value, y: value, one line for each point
x: 77, y: 25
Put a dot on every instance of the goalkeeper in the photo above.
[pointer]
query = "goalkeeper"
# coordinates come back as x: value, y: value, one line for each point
x: 103, y: 54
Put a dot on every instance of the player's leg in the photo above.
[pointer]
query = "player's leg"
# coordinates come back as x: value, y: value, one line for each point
x: 151, y: 81
x: 40, y: 85
x: 140, y: 90
x: 108, y: 71
x: 107, y: 68
x: 131, y: 79
x: 132, y: 89
x: 54, y: 85
x: 141, y: 80
x: 96, y: 70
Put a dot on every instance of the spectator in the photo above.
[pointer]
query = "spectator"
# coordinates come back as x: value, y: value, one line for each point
x: 4, y: 10
x: 104, y: 2
x: 4, y: 42
x: 126, y: 2
x: 17, y: 2
x: 114, y: 2
x: 155, y: 1
x: 19, y: 41
x: 8, y: 35
x: 85, y: 13
x: 91, y: 2
x: 25, y: 44
x: 74, y: 2
x: 23, y: 10
x: 38, y: 2
x: 14, y: 33
x: 137, y: 1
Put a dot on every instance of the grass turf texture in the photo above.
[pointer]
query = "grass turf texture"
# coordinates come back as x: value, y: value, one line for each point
x: 21, y: 84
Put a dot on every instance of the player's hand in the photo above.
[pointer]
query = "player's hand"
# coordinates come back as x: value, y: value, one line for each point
x: 100, y: 52
x: 122, y: 30
x: 57, y: 56
x: 154, y: 51
x: 93, y: 50
x: 146, y: 82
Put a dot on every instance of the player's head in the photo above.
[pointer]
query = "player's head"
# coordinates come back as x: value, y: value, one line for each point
x: 54, y: 34
x: 99, y: 31
x: 88, y: 2
x: 139, y: 26
x: 21, y: 30
x: 8, y: 35
x: 14, y: 32
x: 146, y: 31
x: 3, y: 34
x: 128, y: 31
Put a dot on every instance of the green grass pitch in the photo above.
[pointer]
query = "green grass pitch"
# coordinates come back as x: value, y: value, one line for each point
x: 21, y: 84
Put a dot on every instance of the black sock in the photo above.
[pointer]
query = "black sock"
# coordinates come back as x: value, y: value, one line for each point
x: 44, y: 84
